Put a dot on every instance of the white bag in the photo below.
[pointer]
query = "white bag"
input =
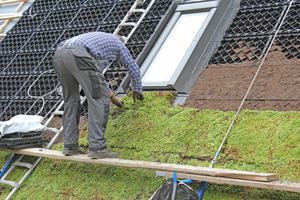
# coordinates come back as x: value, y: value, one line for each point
x: 23, y: 124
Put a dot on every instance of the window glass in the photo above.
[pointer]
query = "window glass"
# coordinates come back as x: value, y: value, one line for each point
x: 174, y: 48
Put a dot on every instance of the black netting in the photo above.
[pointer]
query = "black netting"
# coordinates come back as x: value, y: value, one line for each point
x: 24, y: 64
x: 5, y: 59
x: 17, y: 106
x: 12, y: 43
x: 114, y: 79
x: 69, y: 4
x: 235, y: 50
x: 253, y: 3
x: 58, y: 20
x: 40, y: 6
x: 28, y: 23
x: 42, y: 41
x: 68, y: 33
x: 135, y: 49
x: 255, y: 21
x: 101, y: 2
x: 292, y: 21
x: 253, y: 29
x: 45, y: 64
x: 4, y: 104
x: 42, y: 86
x: 10, y: 85
x: 289, y: 45
x: 104, y: 14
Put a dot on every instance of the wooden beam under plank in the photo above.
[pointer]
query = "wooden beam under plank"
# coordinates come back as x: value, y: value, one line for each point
x: 215, y: 172
x: 274, y: 185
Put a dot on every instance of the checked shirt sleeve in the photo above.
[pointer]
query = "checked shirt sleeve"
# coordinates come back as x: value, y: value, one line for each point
x: 127, y: 61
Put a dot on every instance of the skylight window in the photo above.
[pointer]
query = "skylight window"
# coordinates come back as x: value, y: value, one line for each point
x: 174, y: 47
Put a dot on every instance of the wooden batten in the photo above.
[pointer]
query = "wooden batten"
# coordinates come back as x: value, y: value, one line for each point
x: 11, y: 1
x: 214, y: 172
x: 4, y: 25
x: 274, y: 185
x: 11, y: 16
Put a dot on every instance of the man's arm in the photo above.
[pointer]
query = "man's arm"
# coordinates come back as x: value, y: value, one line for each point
x: 129, y: 63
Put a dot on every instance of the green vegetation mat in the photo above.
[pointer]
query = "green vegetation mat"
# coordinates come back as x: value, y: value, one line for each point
x: 154, y: 130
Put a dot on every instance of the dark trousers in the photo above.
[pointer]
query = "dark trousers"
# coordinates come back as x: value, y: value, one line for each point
x: 75, y: 66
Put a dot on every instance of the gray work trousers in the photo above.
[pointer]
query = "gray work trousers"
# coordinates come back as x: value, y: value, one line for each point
x: 75, y: 66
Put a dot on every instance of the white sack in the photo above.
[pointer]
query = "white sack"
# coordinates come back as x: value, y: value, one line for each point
x: 22, y: 123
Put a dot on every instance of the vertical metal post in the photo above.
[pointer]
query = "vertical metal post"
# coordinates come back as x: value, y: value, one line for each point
x: 174, y: 186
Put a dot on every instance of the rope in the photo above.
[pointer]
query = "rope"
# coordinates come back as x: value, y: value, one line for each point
x: 217, y: 154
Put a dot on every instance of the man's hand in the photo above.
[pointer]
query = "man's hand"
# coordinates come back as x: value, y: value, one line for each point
x: 118, y: 102
x: 137, y: 95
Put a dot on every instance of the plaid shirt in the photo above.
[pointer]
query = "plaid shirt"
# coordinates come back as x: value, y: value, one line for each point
x: 106, y: 46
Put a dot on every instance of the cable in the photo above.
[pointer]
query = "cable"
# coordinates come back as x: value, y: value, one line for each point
x: 32, y: 16
x: 39, y: 97
x: 217, y: 154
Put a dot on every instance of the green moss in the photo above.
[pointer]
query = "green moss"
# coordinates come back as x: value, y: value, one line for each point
x: 154, y: 130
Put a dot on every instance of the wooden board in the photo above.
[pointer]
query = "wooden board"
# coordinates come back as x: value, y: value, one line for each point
x: 274, y: 185
x: 215, y: 172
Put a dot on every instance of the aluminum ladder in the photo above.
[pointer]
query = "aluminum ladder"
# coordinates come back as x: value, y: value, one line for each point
x: 59, y: 111
x: 125, y: 21
x: 132, y: 10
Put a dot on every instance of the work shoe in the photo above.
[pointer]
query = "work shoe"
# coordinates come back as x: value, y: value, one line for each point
x: 107, y: 153
x: 73, y: 150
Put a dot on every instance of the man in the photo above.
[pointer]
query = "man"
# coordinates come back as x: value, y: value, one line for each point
x: 81, y: 60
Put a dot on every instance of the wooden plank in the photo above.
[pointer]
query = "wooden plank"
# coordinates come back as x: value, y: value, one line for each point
x: 40, y: 152
x: 11, y: 16
x: 11, y: 1
x: 273, y: 185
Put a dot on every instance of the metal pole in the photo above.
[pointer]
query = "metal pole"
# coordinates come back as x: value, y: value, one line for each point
x: 174, y: 186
